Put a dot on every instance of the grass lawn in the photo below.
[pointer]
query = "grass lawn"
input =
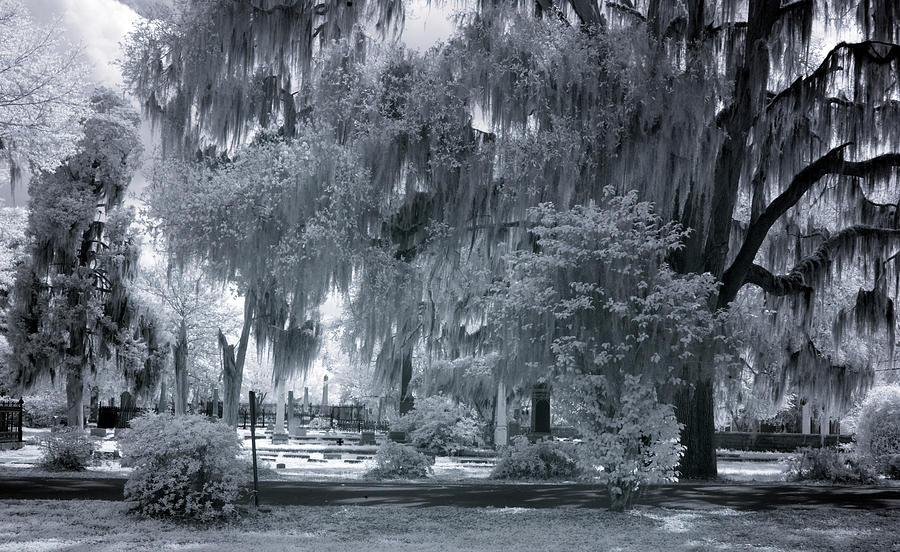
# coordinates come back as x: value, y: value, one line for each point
x: 37, y: 526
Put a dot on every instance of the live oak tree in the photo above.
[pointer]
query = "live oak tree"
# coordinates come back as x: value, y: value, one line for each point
x: 779, y: 159
x: 43, y: 93
x: 72, y: 303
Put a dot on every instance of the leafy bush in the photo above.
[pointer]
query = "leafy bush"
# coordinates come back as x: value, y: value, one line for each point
x: 878, y: 427
x: 394, y: 461
x: 320, y: 423
x: 891, y: 467
x: 185, y: 467
x: 827, y: 464
x: 544, y: 460
x: 67, y: 449
x: 40, y: 409
x: 438, y: 426
x: 633, y: 445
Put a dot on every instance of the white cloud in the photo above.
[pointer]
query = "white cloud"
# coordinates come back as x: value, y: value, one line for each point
x: 97, y: 25
x: 100, y: 25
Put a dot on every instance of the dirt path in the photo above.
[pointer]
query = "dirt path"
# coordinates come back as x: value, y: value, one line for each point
x: 696, y: 496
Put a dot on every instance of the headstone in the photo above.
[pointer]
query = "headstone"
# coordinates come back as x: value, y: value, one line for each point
x: 279, y: 466
x: 367, y: 438
x: 299, y: 431
x: 306, y: 400
x: 126, y: 401
x: 95, y: 405
x: 325, y: 396
x: 397, y: 436
x: 279, y: 438
x: 98, y: 432
x: 290, y: 413
x: 540, y: 409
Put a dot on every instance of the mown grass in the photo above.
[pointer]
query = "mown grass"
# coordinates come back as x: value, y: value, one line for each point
x: 105, y: 526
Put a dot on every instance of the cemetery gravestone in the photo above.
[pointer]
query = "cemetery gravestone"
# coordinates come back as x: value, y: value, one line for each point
x: 540, y: 409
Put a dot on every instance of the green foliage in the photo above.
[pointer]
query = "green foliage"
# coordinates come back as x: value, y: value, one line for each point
x: 609, y: 321
x: 543, y: 460
x: 634, y: 444
x: 828, y: 464
x: 878, y: 428
x: 67, y: 449
x: 437, y: 425
x: 398, y: 461
x: 41, y: 408
x: 185, y: 467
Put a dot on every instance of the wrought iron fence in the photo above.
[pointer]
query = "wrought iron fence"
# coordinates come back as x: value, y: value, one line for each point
x: 110, y: 417
x: 343, y: 417
x: 11, y: 421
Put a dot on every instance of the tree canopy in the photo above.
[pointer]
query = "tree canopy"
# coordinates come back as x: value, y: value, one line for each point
x: 43, y: 93
x: 778, y: 158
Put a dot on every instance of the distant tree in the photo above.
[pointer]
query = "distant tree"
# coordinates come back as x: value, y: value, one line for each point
x: 12, y: 254
x: 43, y: 93
x: 73, y: 305
x: 195, y: 311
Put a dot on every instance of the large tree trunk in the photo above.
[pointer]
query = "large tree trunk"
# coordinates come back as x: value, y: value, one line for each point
x: 695, y: 403
x: 75, y: 398
x: 695, y: 409
x: 233, y: 364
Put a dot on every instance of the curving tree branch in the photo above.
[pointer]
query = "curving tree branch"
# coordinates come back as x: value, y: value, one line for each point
x: 802, y: 277
x: 831, y: 163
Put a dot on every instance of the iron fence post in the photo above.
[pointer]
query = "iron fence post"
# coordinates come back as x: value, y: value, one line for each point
x: 21, y: 410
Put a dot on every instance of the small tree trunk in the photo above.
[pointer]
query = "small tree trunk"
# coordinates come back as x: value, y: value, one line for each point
x: 233, y: 364
x: 162, y: 405
x: 621, y: 496
x: 694, y: 408
x: 406, y: 398
x: 181, y: 385
x: 75, y: 398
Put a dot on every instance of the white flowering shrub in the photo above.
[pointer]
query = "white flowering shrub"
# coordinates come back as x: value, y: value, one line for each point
x: 437, y: 425
x: 632, y: 445
x: 878, y: 428
x: 397, y: 461
x: 67, y: 449
x: 544, y: 460
x: 184, y: 467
